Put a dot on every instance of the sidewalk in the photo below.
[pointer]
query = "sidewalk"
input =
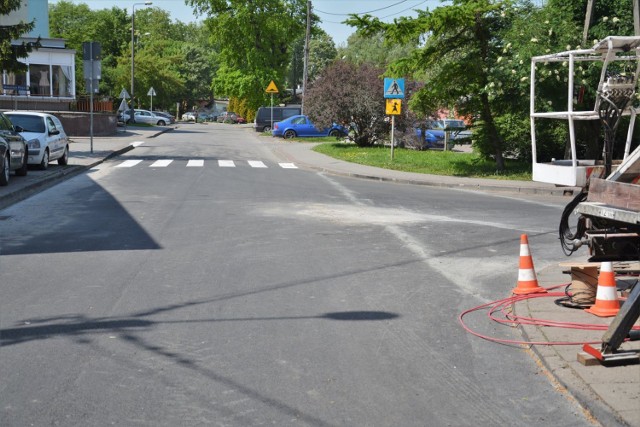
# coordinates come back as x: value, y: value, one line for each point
x: 610, y: 395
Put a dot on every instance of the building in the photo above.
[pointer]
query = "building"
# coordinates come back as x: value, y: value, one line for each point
x: 50, y: 82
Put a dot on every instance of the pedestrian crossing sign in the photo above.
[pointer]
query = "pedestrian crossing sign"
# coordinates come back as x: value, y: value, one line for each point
x: 393, y: 88
x: 272, y: 88
x: 394, y: 107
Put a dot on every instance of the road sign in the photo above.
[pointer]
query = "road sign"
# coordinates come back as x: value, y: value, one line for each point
x: 394, y: 107
x: 124, y: 94
x: 393, y: 88
x: 272, y: 88
x: 152, y: 92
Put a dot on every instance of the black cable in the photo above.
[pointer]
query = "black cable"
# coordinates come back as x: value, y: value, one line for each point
x: 567, y: 237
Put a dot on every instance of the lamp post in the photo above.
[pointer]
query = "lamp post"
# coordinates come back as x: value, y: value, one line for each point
x: 133, y: 15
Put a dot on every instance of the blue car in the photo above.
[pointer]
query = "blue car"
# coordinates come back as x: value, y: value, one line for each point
x: 301, y: 126
x: 432, y: 139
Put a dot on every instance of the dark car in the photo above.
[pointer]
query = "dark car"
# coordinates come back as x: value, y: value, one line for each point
x: 263, y: 119
x: 13, y: 151
x: 230, y: 117
x: 301, y: 126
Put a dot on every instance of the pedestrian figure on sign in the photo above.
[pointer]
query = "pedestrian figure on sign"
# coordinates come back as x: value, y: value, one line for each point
x: 395, y: 107
x: 394, y: 88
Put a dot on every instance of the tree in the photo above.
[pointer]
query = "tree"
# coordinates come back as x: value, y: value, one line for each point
x: 463, y: 39
x: 10, y: 53
x: 374, y: 49
x: 254, y: 42
x: 351, y: 95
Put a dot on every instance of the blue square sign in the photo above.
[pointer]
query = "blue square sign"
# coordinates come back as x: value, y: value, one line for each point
x: 393, y: 88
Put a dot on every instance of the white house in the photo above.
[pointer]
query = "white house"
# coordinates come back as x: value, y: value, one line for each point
x: 49, y: 83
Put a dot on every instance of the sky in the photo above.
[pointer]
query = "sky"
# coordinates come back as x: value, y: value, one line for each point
x: 331, y: 12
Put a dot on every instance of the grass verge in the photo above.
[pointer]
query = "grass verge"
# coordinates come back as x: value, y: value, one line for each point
x: 435, y: 162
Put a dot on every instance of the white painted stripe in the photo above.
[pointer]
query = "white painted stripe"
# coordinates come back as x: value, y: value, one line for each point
x: 606, y: 293
x: 160, y: 163
x: 136, y: 143
x: 128, y: 163
x: 288, y: 166
x: 226, y: 164
x: 524, y: 250
x: 197, y: 163
x: 256, y: 164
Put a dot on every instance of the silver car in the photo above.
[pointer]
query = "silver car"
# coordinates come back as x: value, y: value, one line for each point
x: 46, y: 138
x: 149, y: 117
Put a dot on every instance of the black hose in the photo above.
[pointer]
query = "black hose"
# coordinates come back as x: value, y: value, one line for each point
x: 567, y: 237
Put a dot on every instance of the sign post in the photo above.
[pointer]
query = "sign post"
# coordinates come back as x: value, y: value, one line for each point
x: 91, y: 54
x: 151, y: 93
x: 272, y: 88
x: 393, y: 93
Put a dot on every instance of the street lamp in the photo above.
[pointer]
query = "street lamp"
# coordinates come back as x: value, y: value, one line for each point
x: 133, y: 14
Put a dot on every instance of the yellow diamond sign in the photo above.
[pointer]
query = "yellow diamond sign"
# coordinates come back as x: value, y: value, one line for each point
x: 272, y: 88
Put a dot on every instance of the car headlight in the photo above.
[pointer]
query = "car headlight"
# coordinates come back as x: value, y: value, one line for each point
x: 33, y: 144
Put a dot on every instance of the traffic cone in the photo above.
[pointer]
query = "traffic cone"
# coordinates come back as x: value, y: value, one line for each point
x: 607, y: 304
x: 527, y: 280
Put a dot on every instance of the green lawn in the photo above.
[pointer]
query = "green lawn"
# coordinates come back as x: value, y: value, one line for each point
x: 435, y: 162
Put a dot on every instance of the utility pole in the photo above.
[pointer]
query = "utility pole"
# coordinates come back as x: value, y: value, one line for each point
x: 305, y: 72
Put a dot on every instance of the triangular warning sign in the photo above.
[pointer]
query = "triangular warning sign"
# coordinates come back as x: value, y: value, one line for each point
x: 272, y: 88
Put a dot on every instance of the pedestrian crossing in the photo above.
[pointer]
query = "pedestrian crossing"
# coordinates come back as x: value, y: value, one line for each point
x: 199, y: 163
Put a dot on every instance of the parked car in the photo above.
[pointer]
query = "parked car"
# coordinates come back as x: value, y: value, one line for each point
x: 301, y: 126
x: 170, y: 117
x: 149, y: 117
x: 230, y: 117
x: 432, y: 139
x: 189, y: 116
x: 13, y: 151
x: 45, y: 136
x: 262, y: 122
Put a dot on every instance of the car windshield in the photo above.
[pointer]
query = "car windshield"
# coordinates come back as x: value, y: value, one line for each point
x: 28, y: 123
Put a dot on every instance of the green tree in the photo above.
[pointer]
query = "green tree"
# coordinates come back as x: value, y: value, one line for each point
x: 374, y: 49
x: 10, y: 53
x: 254, y: 43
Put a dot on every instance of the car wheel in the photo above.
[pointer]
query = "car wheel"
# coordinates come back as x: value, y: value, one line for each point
x: 288, y: 134
x: 62, y: 161
x: 44, y: 164
x: 4, y: 175
x: 266, y: 129
x: 24, y: 168
x: 335, y: 133
x: 161, y: 123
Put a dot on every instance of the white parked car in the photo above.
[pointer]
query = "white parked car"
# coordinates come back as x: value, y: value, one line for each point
x: 45, y: 136
x: 149, y: 117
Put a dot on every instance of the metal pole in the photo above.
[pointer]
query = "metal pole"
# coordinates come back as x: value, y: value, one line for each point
x: 91, y: 97
x: 133, y: 14
x: 393, y: 123
x: 271, y: 112
x: 305, y: 72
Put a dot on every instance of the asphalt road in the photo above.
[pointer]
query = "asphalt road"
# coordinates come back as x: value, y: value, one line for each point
x: 193, y: 292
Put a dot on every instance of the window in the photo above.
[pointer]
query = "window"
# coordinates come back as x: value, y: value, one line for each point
x: 39, y: 80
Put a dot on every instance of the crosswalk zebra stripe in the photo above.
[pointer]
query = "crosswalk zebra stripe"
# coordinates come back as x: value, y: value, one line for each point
x: 256, y: 164
x: 226, y: 164
x: 288, y: 166
x: 129, y: 163
x: 160, y: 163
x: 195, y: 163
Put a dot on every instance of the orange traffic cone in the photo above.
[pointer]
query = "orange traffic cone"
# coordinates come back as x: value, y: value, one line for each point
x: 607, y: 304
x: 527, y: 280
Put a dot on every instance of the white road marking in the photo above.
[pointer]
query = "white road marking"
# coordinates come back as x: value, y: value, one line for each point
x: 288, y: 166
x: 195, y: 163
x: 160, y: 163
x: 256, y: 164
x: 136, y: 143
x: 128, y: 163
x: 226, y: 164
